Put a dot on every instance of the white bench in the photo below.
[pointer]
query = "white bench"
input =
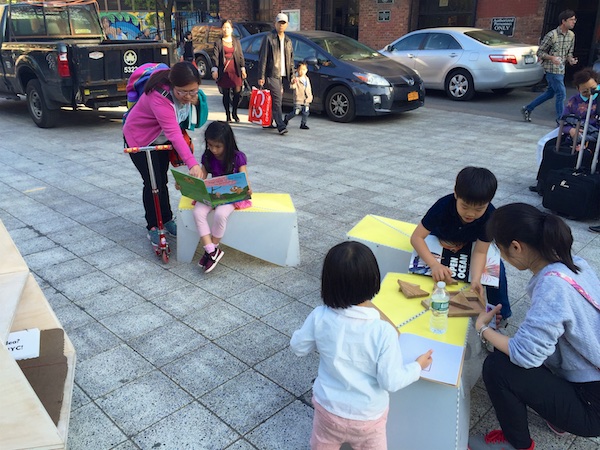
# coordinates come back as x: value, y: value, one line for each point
x: 388, y: 239
x: 268, y: 230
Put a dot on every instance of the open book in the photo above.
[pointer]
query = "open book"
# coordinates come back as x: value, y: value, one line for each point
x: 458, y: 261
x: 213, y: 191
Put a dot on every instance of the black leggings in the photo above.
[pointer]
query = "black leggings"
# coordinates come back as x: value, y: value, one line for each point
x: 573, y: 407
x: 160, y: 162
x: 227, y: 100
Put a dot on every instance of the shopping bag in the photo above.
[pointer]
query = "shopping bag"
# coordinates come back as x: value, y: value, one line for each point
x: 259, y: 109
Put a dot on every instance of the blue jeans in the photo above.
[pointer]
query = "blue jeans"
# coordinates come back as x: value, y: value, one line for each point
x: 556, y: 86
x: 499, y: 295
x: 302, y: 110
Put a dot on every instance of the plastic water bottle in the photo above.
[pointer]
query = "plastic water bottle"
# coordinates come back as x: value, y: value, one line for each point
x: 439, y: 303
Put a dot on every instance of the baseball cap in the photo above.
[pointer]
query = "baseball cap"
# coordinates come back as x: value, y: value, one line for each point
x: 281, y: 17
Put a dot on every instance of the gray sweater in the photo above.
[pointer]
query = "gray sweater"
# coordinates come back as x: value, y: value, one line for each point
x: 561, y: 328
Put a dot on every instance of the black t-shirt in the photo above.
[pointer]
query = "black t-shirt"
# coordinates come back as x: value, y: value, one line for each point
x: 442, y: 220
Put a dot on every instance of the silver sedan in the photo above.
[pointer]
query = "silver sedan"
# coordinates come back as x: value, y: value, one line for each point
x: 463, y: 60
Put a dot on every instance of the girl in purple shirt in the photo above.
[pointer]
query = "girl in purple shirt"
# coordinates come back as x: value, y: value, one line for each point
x: 221, y: 157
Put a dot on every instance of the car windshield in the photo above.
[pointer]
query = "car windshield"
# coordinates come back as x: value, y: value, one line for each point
x: 346, y: 49
x: 491, y: 38
x: 255, y: 28
x: 42, y: 20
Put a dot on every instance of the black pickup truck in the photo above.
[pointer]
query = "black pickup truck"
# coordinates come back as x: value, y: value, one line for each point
x: 57, y: 55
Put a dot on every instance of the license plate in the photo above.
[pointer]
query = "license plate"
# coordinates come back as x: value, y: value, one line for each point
x: 413, y: 96
x: 529, y: 59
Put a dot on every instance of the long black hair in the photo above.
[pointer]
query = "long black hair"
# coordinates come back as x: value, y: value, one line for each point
x: 181, y: 74
x: 546, y: 233
x: 221, y: 132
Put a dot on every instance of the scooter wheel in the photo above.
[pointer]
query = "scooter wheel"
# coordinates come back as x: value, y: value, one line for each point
x: 165, y: 256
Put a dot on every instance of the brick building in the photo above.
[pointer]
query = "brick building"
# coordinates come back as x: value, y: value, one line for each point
x: 378, y: 22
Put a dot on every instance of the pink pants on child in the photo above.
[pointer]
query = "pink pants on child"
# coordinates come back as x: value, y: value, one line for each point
x: 330, y: 431
x: 222, y: 212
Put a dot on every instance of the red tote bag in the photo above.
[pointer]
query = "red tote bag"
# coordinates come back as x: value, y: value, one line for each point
x: 260, y: 107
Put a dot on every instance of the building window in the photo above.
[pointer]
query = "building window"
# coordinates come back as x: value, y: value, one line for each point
x: 451, y: 13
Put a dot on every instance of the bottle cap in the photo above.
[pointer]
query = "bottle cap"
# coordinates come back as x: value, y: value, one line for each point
x: 441, y: 285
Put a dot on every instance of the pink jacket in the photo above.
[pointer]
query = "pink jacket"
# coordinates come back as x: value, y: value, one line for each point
x: 152, y: 114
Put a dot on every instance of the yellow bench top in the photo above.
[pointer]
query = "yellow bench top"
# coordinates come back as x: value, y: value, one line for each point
x: 261, y: 202
x: 384, y: 231
x: 400, y: 309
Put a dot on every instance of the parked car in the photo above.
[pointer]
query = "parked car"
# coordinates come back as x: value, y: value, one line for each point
x: 347, y: 77
x: 463, y: 60
x: 205, y: 34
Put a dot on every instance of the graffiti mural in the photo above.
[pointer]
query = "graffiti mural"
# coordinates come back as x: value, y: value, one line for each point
x: 130, y: 25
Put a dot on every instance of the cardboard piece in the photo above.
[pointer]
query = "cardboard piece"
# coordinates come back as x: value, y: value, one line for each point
x: 411, y: 290
x: 47, y: 374
x: 462, y: 304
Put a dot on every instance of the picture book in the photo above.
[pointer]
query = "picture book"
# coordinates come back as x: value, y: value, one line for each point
x: 458, y: 260
x: 213, y: 191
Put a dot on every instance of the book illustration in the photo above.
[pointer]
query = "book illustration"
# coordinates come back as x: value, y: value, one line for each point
x: 213, y: 191
x: 458, y: 258
x: 411, y: 290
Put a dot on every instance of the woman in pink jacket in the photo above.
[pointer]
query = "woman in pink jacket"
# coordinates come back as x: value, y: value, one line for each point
x: 167, y: 103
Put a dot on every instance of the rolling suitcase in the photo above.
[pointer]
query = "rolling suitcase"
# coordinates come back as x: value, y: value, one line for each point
x: 559, y: 153
x: 575, y: 192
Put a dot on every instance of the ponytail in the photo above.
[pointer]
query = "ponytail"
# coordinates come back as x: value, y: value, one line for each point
x: 546, y: 233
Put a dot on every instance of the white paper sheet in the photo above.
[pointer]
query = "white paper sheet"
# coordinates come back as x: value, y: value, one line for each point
x: 447, y: 358
x: 24, y: 344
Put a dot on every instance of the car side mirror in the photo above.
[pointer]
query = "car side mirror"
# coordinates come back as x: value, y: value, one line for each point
x: 389, y: 48
x: 312, y: 61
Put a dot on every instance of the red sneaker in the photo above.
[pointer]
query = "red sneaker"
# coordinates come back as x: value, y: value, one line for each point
x: 494, y: 440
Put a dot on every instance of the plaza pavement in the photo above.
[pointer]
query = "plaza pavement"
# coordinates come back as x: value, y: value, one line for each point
x: 171, y: 358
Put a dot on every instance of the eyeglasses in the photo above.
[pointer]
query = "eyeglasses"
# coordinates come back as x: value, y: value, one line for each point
x: 191, y: 93
x: 588, y: 91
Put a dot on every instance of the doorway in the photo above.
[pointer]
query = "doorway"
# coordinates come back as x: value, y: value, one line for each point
x: 339, y: 16
x: 587, y: 30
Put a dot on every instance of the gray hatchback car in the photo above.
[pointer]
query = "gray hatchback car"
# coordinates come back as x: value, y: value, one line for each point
x: 348, y: 78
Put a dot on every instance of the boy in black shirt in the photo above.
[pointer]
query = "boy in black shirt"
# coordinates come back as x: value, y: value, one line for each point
x: 460, y: 219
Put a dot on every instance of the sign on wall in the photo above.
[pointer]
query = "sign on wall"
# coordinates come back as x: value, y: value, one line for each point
x: 294, y: 19
x: 504, y: 25
x: 383, y: 16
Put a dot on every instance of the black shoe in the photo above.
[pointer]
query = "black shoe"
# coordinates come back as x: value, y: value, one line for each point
x: 270, y: 127
x: 304, y: 127
x: 235, y: 117
x: 286, y: 121
x: 526, y: 114
x: 595, y: 228
x: 533, y: 188
x: 228, y: 117
x: 283, y: 131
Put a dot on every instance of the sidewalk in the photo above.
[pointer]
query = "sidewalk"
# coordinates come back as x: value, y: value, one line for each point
x: 171, y: 358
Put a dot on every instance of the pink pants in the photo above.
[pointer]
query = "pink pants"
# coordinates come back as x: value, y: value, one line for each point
x: 330, y: 431
x: 222, y: 212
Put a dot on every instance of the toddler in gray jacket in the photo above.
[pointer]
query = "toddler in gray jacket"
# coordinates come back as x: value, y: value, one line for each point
x: 302, y: 96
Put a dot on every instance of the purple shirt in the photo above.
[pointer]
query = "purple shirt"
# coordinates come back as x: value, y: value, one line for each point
x: 577, y: 107
x: 217, y: 168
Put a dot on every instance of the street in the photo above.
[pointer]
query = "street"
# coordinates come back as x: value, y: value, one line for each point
x: 169, y: 357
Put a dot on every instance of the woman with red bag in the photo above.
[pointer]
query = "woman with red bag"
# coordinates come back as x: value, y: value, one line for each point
x: 229, y: 69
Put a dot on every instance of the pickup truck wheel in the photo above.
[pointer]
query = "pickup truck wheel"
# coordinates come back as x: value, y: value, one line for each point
x: 43, y: 116
x: 202, y: 66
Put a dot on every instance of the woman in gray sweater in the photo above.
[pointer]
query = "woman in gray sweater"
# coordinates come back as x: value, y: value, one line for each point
x: 552, y: 362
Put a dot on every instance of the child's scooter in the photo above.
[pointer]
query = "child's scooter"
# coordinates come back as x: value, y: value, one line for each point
x: 162, y: 250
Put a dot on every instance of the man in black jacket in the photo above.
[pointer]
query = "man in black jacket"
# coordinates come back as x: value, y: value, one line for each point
x: 276, y: 67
